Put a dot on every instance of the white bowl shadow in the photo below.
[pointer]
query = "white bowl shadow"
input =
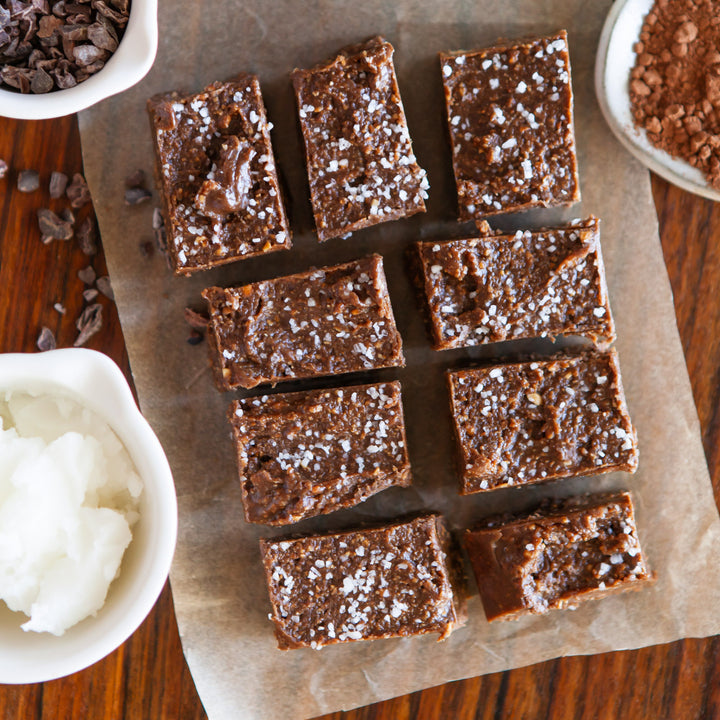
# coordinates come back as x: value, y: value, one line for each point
x: 97, y: 383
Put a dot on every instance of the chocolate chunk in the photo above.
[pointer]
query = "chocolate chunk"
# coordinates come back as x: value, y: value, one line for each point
x: 228, y: 190
x: 136, y: 179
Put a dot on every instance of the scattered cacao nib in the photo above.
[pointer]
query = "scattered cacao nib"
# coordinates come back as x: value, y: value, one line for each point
x: 87, y: 236
x: 104, y: 286
x: 89, y: 323
x: 68, y: 215
x: 46, y: 340
x: 147, y: 248
x: 53, y: 227
x: 58, y: 184
x: 3, y: 169
x: 195, y: 337
x: 50, y: 45
x: 87, y: 275
x: 78, y: 192
x: 136, y: 179
x: 90, y: 294
x: 60, y: 308
x: 28, y: 181
x: 196, y: 320
x: 136, y: 195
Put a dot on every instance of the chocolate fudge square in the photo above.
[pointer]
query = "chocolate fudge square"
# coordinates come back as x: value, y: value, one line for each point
x: 510, y: 119
x: 385, y: 582
x: 219, y: 186
x: 521, y: 285
x: 360, y: 163
x: 529, y: 422
x: 309, y: 453
x: 328, y: 321
x: 557, y: 556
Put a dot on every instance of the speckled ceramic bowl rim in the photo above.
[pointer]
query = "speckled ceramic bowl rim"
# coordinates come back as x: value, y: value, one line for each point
x: 128, y: 65
x: 97, y: 383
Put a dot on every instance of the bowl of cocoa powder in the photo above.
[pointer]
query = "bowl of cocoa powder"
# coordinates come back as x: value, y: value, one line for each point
x: 657, y: 79
x: 58, y: 57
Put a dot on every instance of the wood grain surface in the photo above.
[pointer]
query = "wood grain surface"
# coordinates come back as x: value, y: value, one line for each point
x: 147, y: 678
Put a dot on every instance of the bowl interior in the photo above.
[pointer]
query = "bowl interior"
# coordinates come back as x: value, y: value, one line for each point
x: 33, y: 657
x: 127, y: 66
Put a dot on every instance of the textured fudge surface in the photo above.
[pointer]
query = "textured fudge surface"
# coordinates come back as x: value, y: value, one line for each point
x: 505, y: 287
x: 360, y: 161
x: 364, y: 584
x: 308, y: 453
x: 322, y: 322
x: 557, y: 557
x: 510, y: 119
x: 219, y: 185
x: 534, y: 421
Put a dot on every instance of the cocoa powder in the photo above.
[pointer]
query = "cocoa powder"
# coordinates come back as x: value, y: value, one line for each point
x: 675, y: 84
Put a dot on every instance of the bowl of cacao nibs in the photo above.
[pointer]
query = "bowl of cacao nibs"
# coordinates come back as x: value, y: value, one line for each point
x: 58, y: 57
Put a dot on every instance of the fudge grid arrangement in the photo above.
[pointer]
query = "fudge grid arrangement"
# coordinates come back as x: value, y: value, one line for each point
x: 310, y: 452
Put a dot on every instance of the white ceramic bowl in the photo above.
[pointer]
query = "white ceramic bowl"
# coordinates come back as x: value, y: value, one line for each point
x: 96, y: 382
x: 615, y: 59
x: 128, y: 65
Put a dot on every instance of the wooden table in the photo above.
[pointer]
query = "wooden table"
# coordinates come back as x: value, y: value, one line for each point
x: 148, y: 679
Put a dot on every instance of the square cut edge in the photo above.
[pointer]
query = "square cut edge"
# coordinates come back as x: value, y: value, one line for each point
x: 476, y: 143
x: 211, y: 213
x: 501, y: 428
x: 362, y: 78
x: 251, y: 341
x: 357, y: 431
x: 314, y: 608
x: 510, y: 557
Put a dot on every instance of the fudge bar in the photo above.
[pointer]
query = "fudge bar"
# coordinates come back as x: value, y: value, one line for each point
x: 510, y: 119
x: 360, y: 163
x: 521, y: 285
x: 322, y: 322
x: 309, y: 453
x: 219, y: 187
x: 365, y: 584
x: 529, y: 422
x: 557, y: 556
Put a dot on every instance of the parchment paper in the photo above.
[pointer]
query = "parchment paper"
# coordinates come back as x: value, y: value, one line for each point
x: 217, y: 580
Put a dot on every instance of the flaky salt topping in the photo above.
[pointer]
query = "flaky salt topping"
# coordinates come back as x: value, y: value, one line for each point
x: 535, y: 421
x: 362, y: 584
x: 510, y: 123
